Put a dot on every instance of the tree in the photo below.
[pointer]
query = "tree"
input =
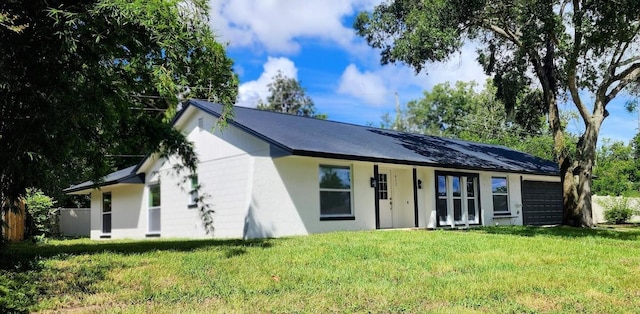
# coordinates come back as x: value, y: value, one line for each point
x: 87, y: 80
x: 616, y: 172
x: 288, y: 96
x: 461, y: 112
x: 586, y: 47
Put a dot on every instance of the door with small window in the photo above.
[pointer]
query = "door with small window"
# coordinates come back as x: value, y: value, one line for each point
x: 385, y: 199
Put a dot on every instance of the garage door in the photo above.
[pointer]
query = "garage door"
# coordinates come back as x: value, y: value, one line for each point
x: 541, y: 203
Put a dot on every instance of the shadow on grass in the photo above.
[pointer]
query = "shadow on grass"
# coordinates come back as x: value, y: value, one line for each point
x: 13, y: 256
x: 24, y: 278
x: 626, y: 234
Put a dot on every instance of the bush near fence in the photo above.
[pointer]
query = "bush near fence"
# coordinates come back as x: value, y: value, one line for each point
x: 598, y: 209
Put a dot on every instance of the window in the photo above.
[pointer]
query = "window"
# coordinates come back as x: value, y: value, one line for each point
x: 457, y: 199
x: 193, y: 191
x: 383, y: 186
x: 500, y: 195
x: 154, y: 209
x: 106, y: 213
x: 335, y: 191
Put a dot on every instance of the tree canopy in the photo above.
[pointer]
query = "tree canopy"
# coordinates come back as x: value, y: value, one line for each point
x: 617, y: 170
x: 287, y: 95
x: 85, y: 82
x: 459, y: 111
x: 573, y: 50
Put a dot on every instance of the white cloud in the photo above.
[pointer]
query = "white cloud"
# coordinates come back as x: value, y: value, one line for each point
x: 366, y: 86
x: 276, y: 25
x: 250, y: 93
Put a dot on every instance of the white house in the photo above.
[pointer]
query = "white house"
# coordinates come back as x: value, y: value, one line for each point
x: 271, y: 175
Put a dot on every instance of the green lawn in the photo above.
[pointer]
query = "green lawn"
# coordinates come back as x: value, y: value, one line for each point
x: 496, y: 270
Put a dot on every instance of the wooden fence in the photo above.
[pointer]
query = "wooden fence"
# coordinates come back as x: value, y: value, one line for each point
x: 13, y: 224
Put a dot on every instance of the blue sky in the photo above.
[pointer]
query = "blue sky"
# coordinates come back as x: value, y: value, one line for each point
x: 314, y: 42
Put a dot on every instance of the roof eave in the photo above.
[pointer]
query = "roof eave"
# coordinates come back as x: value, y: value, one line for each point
x: 307, y: 153
x: 79, y: 189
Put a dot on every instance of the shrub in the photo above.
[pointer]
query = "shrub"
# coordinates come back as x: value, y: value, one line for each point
x: 617, y: 210
x: 40, y: 214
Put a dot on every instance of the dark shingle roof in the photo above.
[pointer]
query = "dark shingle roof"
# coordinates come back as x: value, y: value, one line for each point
x: 127, y: 175
x: 321, y: 138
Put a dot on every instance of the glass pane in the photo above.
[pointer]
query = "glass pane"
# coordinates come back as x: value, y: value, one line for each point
x: 457, y: 209
x: 456, y: 186
x: 194, y: 182
x: 471, y: 210
x: 193, y: 194
x: 335, y: 203
x: 499, y: 185
x: 442, y: 209
x: 333, y: 177
x: 154, y: 220
x: 442, y: 186
x: 106, y: 223
x: 154, y: 196
x: 500, y: 203
x: 106, y: 202
x: 471, y: 187
x: 382, y: 186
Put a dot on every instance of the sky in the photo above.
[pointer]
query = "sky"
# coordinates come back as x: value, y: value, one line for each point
x: 314, y: 42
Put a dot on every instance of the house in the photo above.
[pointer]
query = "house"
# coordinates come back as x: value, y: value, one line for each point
x: 270, y: 175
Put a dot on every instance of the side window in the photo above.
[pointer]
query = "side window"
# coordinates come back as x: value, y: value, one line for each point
x: 193, y: 191
x: 500, y: 191
x: 154, y: 209
x: 335, y: 191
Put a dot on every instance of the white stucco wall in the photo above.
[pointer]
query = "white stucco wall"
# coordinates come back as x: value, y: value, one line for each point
x: 126, y: 213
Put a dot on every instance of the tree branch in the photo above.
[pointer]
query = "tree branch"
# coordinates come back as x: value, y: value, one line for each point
x: 573, y: 63
x: 628, y: 61
x: 563, y: 6
x: 630, y: 75
x: 506, y: 34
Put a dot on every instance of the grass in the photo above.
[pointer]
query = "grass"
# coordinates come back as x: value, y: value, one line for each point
x: 495, y: 270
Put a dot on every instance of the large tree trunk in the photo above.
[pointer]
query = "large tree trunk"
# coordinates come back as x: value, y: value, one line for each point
x: 577, y: 194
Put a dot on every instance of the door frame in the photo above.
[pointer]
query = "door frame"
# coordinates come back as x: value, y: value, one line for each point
x: 384, y: 211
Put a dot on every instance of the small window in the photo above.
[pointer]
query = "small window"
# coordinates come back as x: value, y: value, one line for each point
x: 383, y: 186
x: 154, y: 209
x: 335, y: 191
x: 499, y: 188
x: 193, y: 191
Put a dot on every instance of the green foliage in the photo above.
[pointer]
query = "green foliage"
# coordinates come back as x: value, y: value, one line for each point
x: 41, y: 215
x: 461, y: 112
x: 288, y: 96
x: 617, y: 210
x: 617, y: 170
x: 89, y: 80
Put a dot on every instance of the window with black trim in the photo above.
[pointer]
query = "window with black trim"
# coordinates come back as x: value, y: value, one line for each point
x: 335, y: 191
x: 500, y: 191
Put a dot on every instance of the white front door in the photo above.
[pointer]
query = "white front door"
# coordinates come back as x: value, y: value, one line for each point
x: 384, y: 199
